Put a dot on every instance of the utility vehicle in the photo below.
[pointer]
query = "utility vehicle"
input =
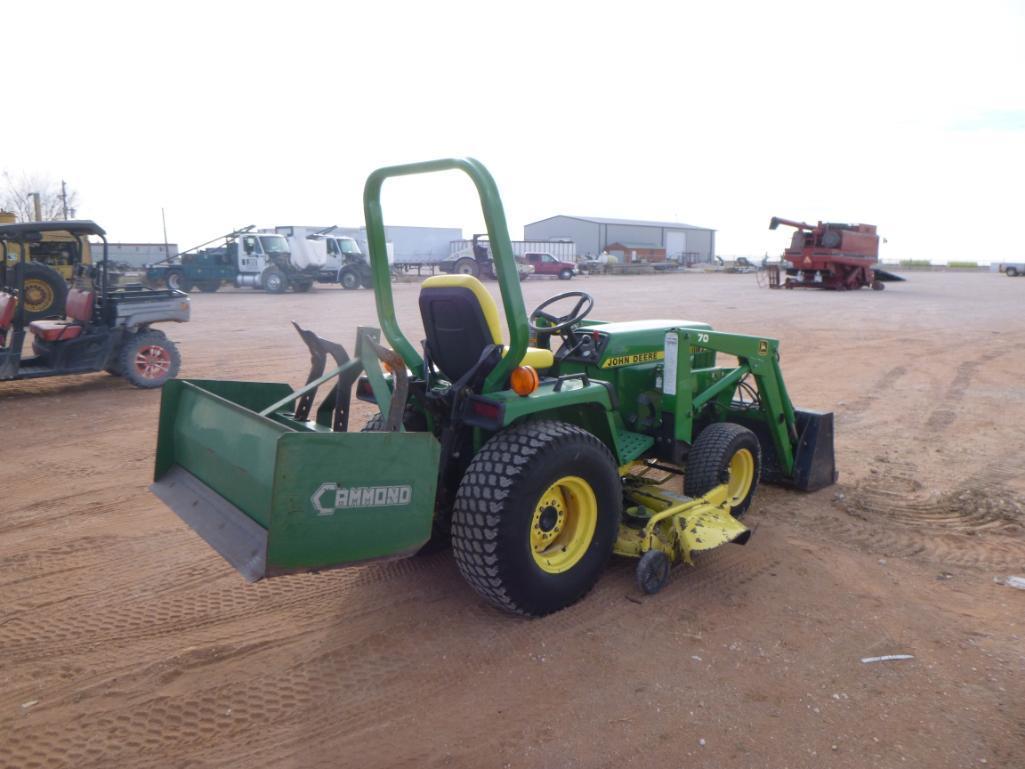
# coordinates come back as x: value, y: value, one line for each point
x: 106, y: 328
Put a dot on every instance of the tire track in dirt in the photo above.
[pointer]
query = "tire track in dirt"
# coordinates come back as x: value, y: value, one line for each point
x: 151, y: 613
x: 945, y: 414
x: 856, y: 410
x: 338, y: 691
x: 963, y: 527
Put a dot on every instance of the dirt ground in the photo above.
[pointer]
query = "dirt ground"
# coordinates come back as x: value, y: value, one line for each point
x: 126, y: 642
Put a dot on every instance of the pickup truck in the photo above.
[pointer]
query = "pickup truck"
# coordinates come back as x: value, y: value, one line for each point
x: 546, y: 264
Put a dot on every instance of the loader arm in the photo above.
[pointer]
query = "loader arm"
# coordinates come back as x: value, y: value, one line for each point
x: 755, y: 356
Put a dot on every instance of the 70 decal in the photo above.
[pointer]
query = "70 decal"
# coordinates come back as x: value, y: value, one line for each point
x: 702, y: 338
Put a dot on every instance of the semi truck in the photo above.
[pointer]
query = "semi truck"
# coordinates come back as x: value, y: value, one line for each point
x: 343, y: 261
x: 246, y: 258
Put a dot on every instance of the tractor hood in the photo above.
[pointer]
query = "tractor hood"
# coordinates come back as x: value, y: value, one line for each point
x: 627, y: 343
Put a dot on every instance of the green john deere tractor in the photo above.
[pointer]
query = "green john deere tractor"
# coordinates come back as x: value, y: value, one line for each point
x: 538, y: 457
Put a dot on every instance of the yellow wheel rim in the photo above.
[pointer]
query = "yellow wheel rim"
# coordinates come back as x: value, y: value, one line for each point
x: 39, y: 295
x: 563, y: 524
x: 742, y: 475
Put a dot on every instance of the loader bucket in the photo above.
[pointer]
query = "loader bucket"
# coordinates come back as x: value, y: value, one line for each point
x: 275, y: 495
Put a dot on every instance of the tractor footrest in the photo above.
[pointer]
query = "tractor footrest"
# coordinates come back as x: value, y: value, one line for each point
x: 632, y: 445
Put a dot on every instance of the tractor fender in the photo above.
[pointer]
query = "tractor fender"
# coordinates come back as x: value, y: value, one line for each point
x: 591, y: 407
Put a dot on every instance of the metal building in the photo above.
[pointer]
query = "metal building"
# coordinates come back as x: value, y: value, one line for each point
x: 412, y: 245
x: 593, y: 234
x: 135, y: 254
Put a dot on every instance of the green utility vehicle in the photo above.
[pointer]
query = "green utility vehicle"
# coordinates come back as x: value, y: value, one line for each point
x: 537, y: 456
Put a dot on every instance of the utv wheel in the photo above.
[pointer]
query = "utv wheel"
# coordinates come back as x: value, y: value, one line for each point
x: 45, y: 290
x: 565, y: 274
x: 148, y: 359
x: 349, y: 279
x: 725, y: 453
x: 536, y: 516
x: 274, y: 282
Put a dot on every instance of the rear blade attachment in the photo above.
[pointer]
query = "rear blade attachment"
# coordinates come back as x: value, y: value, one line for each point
x: 274, y: 492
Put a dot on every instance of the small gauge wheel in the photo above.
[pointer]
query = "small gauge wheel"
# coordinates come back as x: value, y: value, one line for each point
x: 652, y: 571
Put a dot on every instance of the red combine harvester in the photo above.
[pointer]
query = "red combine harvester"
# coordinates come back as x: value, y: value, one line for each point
x: 832, y: 256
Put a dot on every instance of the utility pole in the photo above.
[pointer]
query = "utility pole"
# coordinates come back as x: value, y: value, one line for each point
x: 36, y: 206
x: 167, y: 250
x: 64, y: 199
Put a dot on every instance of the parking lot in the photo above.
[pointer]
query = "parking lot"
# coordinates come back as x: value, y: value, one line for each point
x: 124, y: 640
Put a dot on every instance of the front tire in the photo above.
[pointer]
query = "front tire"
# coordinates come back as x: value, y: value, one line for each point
x: 274, y: 282
x: 725, y: 453
x: 177, y: 281
x: 148, y: 359
x: 536, y: 516
x: 565, y: 274
x: 349, y: 279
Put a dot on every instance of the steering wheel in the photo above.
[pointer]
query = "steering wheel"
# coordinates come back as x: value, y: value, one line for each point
x: 559, y: 323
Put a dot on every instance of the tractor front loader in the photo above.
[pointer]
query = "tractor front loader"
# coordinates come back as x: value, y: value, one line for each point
x: 536, y: 456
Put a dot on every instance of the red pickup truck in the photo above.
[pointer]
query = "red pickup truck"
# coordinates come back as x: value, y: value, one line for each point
x: 546, y: 264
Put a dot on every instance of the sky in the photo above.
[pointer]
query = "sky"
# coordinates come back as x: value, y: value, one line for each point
x: 907, y: 115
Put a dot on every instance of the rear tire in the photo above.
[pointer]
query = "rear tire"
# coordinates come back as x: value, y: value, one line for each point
x: 301, y: 288
x: 1012, y: 272
x: 148, y: 359
x: 467, y: 267
x: 44, y: 289
x: 536, y: 516
x: 725, y: 453
x: 208, y: 286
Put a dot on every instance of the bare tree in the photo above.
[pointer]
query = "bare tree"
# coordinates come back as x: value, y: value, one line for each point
x: 16, y: 195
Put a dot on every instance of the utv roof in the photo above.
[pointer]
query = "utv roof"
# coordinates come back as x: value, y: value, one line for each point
x: 75, y: 226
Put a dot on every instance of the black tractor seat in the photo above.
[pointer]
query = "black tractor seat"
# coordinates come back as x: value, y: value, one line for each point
x: 461, y: 319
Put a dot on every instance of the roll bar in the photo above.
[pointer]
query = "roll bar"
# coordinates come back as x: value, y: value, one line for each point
x: 501, y: 250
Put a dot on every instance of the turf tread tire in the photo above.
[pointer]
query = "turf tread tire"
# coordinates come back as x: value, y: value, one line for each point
x: 509, y: 472
x: 709, y: 458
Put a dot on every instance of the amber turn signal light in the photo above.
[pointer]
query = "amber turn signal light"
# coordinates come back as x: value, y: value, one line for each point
x: 524, y: 380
